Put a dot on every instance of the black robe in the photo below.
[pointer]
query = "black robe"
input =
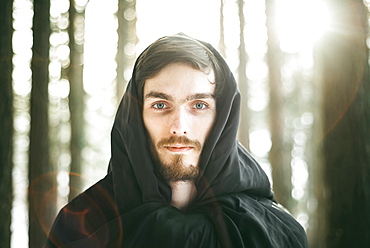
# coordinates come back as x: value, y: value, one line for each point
x: 234, y: 206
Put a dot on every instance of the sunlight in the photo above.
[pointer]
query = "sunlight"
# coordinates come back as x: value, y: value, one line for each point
x: 301, y: 23
x: 58, y: 6
x: 59, y: 88
x: 260, y: 142
x: 255, y: 29
x: 258, y: 97
x: 198, y: 19
x: 299, y: 178
x: 21, y: 76
x: 99, y: 75
x: 100, y: 65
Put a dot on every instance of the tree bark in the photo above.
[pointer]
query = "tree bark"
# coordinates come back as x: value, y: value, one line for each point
x: 6, y: 121
x: 42, y: 183
x: 346, y: 126
x: 127, y: 39
x: 221, y: 43
x: 278, y: 157
x: 243, y: 82
x: 76, y: 103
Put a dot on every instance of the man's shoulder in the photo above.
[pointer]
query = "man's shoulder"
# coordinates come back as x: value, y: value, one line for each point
x: 263, y: 219
x: 84, y: 215
x: 95, y: 203
x: 98, y: 195
x: 261, y: 208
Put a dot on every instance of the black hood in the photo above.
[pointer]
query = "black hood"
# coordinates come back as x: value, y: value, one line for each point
x: 226, y: 165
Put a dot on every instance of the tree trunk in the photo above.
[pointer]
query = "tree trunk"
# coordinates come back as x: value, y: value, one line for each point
x: 6, y: 122
x: 346, y: 127
x: 76, y: 102
x: 243, y: 82
x: 42, y: 183
x: 278, y: 157
x: 127, y: 41
x: 221, y: 43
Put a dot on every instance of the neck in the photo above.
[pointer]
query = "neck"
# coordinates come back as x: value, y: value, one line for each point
x: 183, y: 193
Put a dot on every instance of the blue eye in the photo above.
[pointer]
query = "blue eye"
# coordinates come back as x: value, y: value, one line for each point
x: 159, y: 105
x: 200, y: 105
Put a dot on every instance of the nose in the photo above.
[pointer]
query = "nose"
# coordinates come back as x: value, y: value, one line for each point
x: 179, y: 124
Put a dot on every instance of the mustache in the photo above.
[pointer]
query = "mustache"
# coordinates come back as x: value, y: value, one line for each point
x: 183, y: 140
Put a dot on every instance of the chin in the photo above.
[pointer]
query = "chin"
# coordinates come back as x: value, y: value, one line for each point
x: 181, y: 159
x: 177, y: 168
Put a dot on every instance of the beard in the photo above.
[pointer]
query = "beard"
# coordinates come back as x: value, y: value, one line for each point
x: 177, y: 171
x: 173, y: 167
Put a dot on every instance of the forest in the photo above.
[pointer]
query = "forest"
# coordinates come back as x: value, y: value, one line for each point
x: 302, y: 68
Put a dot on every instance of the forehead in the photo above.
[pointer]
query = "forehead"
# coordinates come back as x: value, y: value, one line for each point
x: 179, y: 80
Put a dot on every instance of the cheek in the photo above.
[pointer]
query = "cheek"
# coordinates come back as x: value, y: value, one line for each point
x: 148, y: 124
x: 154, y: 127
x: 203, y: 127
x: 146, y: 121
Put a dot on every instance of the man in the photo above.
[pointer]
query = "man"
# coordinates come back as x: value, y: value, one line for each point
x: 178, y: 177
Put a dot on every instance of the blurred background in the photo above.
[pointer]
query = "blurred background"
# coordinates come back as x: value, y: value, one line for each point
x: 303, y: 71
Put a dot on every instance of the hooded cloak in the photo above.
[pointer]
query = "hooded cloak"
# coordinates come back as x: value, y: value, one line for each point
x: 130, y: 207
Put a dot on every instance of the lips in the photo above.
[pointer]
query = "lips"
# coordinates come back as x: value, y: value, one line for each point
x: 178, y: 148
x: 179, y: 144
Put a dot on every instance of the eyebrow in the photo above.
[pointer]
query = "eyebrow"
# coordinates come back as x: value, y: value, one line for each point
x: 199, y: 96
x: 155, y: 94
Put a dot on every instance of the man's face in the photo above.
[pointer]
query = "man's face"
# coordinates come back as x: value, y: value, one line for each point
x: 179, y: 111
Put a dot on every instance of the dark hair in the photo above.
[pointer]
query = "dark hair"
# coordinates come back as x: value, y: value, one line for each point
x: 176, y: 49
